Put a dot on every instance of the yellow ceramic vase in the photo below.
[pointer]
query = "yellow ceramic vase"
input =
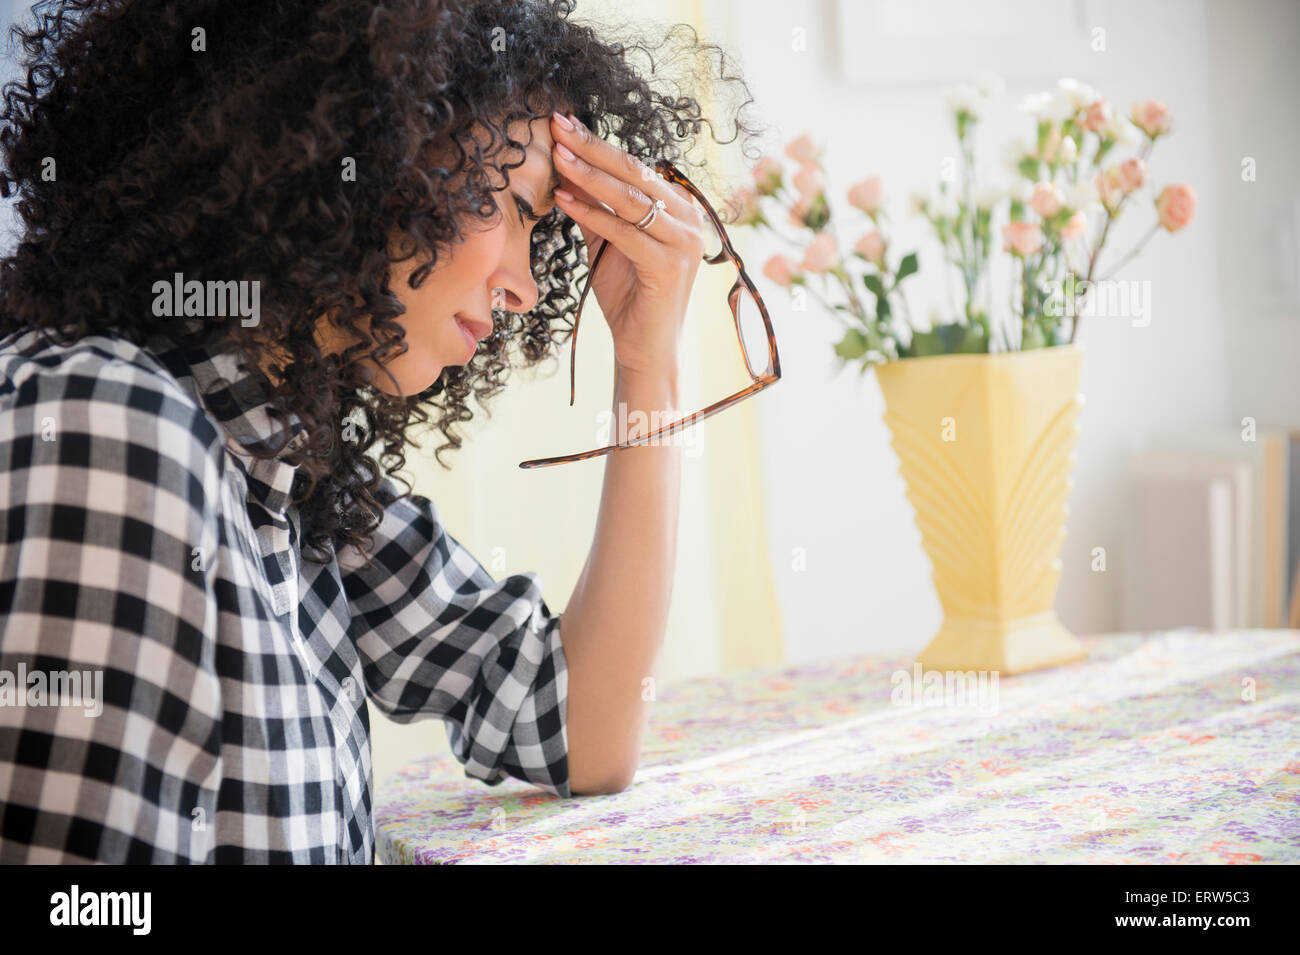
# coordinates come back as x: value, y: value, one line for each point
x: 986, y: 446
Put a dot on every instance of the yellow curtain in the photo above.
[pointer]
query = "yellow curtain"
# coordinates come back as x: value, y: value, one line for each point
x: 724, y: 612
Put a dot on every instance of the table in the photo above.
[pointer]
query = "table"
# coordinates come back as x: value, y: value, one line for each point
x: 1174, y: 747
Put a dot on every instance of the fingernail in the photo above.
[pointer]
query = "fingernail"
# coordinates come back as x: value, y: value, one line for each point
x: 562, y: 120
x: 573, y: 119
x: 565, y: 151
x: 564, y: 194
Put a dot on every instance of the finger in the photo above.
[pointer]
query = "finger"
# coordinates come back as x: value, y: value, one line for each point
x: 629, y: 203
x: 579, y: 192
x: 588, y: 236
x: 637, y: 244
x: 619, y: 166
x: 597, y: 187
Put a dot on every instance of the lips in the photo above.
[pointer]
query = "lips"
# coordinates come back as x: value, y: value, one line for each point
x: 478, y: 328
x: 473, y: 331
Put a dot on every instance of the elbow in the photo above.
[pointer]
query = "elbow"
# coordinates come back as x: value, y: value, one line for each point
x: 605, y: 782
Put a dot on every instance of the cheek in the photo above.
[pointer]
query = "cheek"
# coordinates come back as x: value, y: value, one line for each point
x: 458, y: 282
x: 473, y: 261
x: 454, y: 284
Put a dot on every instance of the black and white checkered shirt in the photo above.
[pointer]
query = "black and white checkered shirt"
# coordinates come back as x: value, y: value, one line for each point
x: 138, y: 541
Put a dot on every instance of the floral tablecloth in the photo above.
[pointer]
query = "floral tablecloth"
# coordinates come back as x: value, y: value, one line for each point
x: 1174, y: 747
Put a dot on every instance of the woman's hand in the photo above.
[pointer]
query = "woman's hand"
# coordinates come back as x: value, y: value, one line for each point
x: 645, y: 276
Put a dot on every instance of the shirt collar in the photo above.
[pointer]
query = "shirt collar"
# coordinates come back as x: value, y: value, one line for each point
x: 238, y: 401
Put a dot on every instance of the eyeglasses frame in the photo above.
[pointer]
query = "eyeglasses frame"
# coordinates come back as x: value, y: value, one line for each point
x: 770, y: 375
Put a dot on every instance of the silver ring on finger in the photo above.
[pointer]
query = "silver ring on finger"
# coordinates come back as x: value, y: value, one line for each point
x: 650, y: 216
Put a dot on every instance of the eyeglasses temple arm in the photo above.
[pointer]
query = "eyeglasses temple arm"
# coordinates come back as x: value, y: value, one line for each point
x: 573, y: 338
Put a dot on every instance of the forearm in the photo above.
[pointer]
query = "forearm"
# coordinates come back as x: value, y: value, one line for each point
x: 614, y: 623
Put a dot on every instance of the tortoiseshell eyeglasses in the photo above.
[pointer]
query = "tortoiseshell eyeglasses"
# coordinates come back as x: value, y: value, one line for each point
x: 753, y: 329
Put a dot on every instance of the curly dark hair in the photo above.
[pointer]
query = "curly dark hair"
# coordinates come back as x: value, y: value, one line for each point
x: 207, y: 137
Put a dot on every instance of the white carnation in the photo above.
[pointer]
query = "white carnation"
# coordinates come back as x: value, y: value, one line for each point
x: 1078, y: 95
x: 964, y: 98
x: 1035, y: 103
x: 944, y: 207
x: 1124, y: 132
x: 1016, y: 150
x: 1022, y: 190
x: 988, y: 196
x: 1048, y: 106
x: 1082, y: 196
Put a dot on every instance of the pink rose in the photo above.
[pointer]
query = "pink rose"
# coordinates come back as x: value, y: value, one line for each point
x: 866, y: 195
x: 779, y: 269
x: 767, y: 175
x: 1022, y: 238
x: 1075, y: 226
x: 809, y: 180
x: 1132, y: 173
x: 743, y: 208
x: 1110, y: 186
x: 1151, y: 116
x: 871, y: 247
x: 799, y: 212
x: 801, y: 149
x: 821, y: 253
x: 1176, y: 207
x: 1047, y: 199
x: 1097, y: 117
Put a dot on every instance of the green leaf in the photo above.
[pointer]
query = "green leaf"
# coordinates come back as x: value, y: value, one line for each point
x: 906, y: 267
x: 874, y: 285
x: 964, y: 120
x: 882, y: 308
x: 1033, y: 338
x: 819, y: 213
x: 953, y: 338
x: 853, y: 345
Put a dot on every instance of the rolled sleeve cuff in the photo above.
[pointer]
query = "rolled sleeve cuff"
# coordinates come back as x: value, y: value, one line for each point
x: 520, y: 729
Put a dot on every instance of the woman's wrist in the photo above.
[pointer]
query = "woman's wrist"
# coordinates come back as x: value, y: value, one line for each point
x: 659, y: 382
x: 645, y: 399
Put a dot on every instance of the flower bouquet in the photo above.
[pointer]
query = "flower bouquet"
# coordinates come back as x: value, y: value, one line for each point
x: 983, y: 406
x: 1070, y: 186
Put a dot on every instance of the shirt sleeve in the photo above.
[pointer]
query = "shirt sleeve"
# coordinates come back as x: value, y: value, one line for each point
x: 438, y: 636
x: 110, y: 730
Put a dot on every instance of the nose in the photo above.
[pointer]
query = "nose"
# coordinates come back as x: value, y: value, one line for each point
x: 513, y: 287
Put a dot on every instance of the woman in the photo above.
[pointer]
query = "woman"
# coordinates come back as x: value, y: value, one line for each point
x: 259, y: 241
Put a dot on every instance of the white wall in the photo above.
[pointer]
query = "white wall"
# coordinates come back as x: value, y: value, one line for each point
x: 1254, y: 82
x: 831, y: 477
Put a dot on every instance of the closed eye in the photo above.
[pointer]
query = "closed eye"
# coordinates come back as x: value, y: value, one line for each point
x: 526, y: 211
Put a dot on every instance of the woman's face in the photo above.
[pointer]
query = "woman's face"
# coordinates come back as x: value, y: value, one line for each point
x: 447, y: 315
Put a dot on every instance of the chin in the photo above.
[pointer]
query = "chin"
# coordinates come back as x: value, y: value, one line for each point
x: 413, y: 375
